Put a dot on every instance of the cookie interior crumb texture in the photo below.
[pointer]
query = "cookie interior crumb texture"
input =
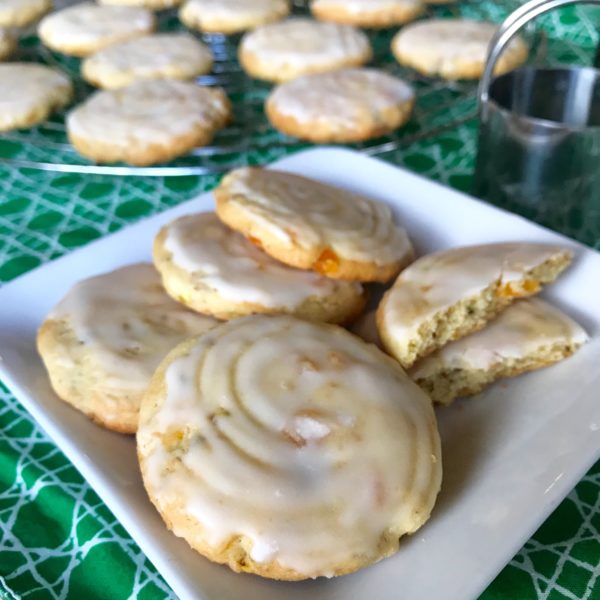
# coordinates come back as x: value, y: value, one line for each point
x: 444, y: 296
x: 529, y: 334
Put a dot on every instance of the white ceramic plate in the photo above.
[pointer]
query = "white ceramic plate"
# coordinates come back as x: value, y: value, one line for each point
x: 509, y: 455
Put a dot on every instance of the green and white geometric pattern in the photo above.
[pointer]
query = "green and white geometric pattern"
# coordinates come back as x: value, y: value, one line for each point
x: 57, y: 538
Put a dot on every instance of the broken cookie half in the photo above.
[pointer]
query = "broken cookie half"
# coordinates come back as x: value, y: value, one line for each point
x: 445, y: 296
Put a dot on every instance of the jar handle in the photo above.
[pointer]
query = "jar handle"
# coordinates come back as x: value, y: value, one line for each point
x: 509, y: 28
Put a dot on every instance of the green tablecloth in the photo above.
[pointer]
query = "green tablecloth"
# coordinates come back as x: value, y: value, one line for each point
x: 58, y: 540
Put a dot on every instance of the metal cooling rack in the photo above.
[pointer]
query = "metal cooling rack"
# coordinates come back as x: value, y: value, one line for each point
x: 250, y: 139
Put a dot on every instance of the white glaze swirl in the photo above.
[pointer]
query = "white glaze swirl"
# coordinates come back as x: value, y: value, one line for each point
x: 303, y: 213
x: 297, y: 442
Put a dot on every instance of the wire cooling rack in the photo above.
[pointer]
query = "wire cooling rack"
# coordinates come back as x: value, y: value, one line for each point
x: 248, y: 139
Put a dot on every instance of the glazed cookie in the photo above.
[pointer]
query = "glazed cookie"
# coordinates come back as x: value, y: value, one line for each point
x: 18, y: 13
x: 147, y: 122
x: 85, y: 28
x: 444, y: 296
x: 310, y: 225
x: 282, y: 51
x: 215, y: 270
x: 29, y: 93
x: 158, y: 56
x: 287, y: 448
x: 231, y: 16
x: 104, y: 340
x: 453, y: 48
x: 149, y: 4
x: 348, y: 105
x: 367, y: 13
x: 365, y: 327
x: 528, y: 335
x: 8, y: 43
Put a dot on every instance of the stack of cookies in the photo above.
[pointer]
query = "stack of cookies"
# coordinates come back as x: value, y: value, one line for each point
x: 254, y: 434
x: 278, y: 243
x: 270, y: 438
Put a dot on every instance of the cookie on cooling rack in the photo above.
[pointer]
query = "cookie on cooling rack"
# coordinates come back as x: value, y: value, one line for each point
x: 215, y: 270
x: 147, y: 122
x: 149, y: 4
x: 288, y: 449
x: 18, y: 13
x: 231, y: 16
x: 347, y: 105
x: 310, y: 225
x: 85, y: 28
x: 453, y: 48
x: 157, y: 56
x: 529, y: 334
x: 103, y: 341
x: 367, y: 13
x: 281, y: 51
x: 29, y: 93
x: 8, y: 43
x: 444, y: 296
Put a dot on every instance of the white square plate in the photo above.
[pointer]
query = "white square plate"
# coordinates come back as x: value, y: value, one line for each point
x: 509, y: 456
